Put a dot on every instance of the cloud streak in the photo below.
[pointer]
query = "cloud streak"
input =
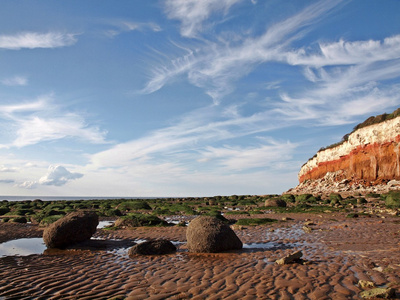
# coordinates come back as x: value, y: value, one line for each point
x: 123, y: 26
x: 220, y: 63
x: 33, y: 40
x: 193, y: 13
x: 40, y: 120
x: 15, y: 81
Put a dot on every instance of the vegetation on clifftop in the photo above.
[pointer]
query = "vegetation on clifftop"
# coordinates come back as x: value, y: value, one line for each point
x: 368, y: 122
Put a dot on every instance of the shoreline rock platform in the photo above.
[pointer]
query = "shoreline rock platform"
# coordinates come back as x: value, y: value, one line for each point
x: 343, y: 251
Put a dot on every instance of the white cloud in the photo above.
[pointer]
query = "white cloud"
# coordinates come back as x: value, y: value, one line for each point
x: 348, y: 53
x: 15, y: 81
x: 58, y: 176
x: 7, y: 169
x: 186, y: 140
x: 241, y: 158
x: 32, y: 40
x: 192, y: 13
x: 219, y: 64
x: 122, y: 26
x: 28, y: 185
x: 42, y: 120
x: 349, y: 80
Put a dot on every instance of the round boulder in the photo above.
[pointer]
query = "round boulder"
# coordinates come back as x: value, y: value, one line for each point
x: 209, y: 235
x: 275, y: 202
x: 154, y: 247
x: 74, y: 228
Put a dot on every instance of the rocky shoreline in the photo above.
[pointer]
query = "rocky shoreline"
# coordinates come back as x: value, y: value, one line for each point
x: 339, y: 252
x: 337, y: 182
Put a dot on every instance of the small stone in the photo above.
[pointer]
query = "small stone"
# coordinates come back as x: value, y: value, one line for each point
x: 307, y: 229
x: 379, y: 269
x: 383, y: 293
x: 294, y: 257
x: 309, y: 223
x: 365, y: 284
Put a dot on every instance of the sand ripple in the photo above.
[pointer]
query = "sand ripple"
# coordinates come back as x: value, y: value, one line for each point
x: 337, y: 263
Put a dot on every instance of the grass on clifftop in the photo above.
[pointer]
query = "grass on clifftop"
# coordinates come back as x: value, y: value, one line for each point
x: 368, y: 122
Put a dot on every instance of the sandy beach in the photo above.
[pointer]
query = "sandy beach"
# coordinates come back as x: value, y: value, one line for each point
x: 338, y: 252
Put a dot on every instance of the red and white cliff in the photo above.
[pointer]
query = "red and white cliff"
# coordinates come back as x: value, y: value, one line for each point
x: 369, y: 160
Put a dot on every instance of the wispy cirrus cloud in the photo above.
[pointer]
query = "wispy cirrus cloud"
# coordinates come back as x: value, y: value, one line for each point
x: 189, y: 139
x: 269, y: 154
x: 344, y: 74
x: 349, y: 79
x: 32, y: 40
x: 348, y: 53
x: 121, y: 26
x: 192, y: 13
x: 15, y: 81
x: 41, y: 120
x: 217, y: 65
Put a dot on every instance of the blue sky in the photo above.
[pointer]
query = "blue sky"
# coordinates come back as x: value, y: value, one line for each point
x: 185, y: 97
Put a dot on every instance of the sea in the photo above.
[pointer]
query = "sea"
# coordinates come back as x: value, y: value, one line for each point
x: 66, y: 198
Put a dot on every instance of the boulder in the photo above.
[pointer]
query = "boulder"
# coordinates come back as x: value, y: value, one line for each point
x: 74, y: 228
x: 275, y: 202
x: 154, y: 247
x: 207, y: 234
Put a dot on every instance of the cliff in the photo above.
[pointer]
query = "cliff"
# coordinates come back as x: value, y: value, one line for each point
x: 368, y: 160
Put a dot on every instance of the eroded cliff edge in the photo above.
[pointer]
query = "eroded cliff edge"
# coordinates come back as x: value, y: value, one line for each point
x: 367, y: 161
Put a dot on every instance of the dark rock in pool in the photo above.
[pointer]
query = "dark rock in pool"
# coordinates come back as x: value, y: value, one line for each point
x: 209, y: 235
x: 154, y: 247
x: 74, y: 228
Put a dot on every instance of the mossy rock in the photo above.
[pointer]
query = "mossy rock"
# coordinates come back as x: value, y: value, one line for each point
x: 110, y: 212
x: 275, y: 202
x: 303, y: 197
x: 288, y: 198
x: 218, y: 215
x: 335, y: 199
x: 134, y: 205
x: 139, y: 220
x: 21, y: 212
x: 19, y: 220
x: 49, y: 220
x: 255, y: 221
x: 361, y: 200
x: 4, y: 210
x: 393, y: 199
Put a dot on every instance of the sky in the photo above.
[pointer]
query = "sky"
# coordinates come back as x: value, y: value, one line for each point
x: 160, y: 98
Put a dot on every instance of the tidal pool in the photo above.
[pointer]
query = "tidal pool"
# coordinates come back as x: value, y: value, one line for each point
x: 22, y: 247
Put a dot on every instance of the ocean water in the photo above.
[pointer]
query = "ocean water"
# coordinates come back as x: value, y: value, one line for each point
x: 49, y: 198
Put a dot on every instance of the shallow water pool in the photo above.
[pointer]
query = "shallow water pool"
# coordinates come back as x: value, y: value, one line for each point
x: 22, y: 247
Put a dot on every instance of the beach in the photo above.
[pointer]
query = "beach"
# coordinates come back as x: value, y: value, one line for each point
x: 338, y: 252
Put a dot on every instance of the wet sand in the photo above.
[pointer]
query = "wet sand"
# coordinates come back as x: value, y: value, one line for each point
x: 338, y: 252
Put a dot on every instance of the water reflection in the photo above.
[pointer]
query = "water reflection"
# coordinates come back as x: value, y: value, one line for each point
x: 22, y: 247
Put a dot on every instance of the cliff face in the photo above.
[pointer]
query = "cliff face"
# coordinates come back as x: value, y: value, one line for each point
x: 370, y: 157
